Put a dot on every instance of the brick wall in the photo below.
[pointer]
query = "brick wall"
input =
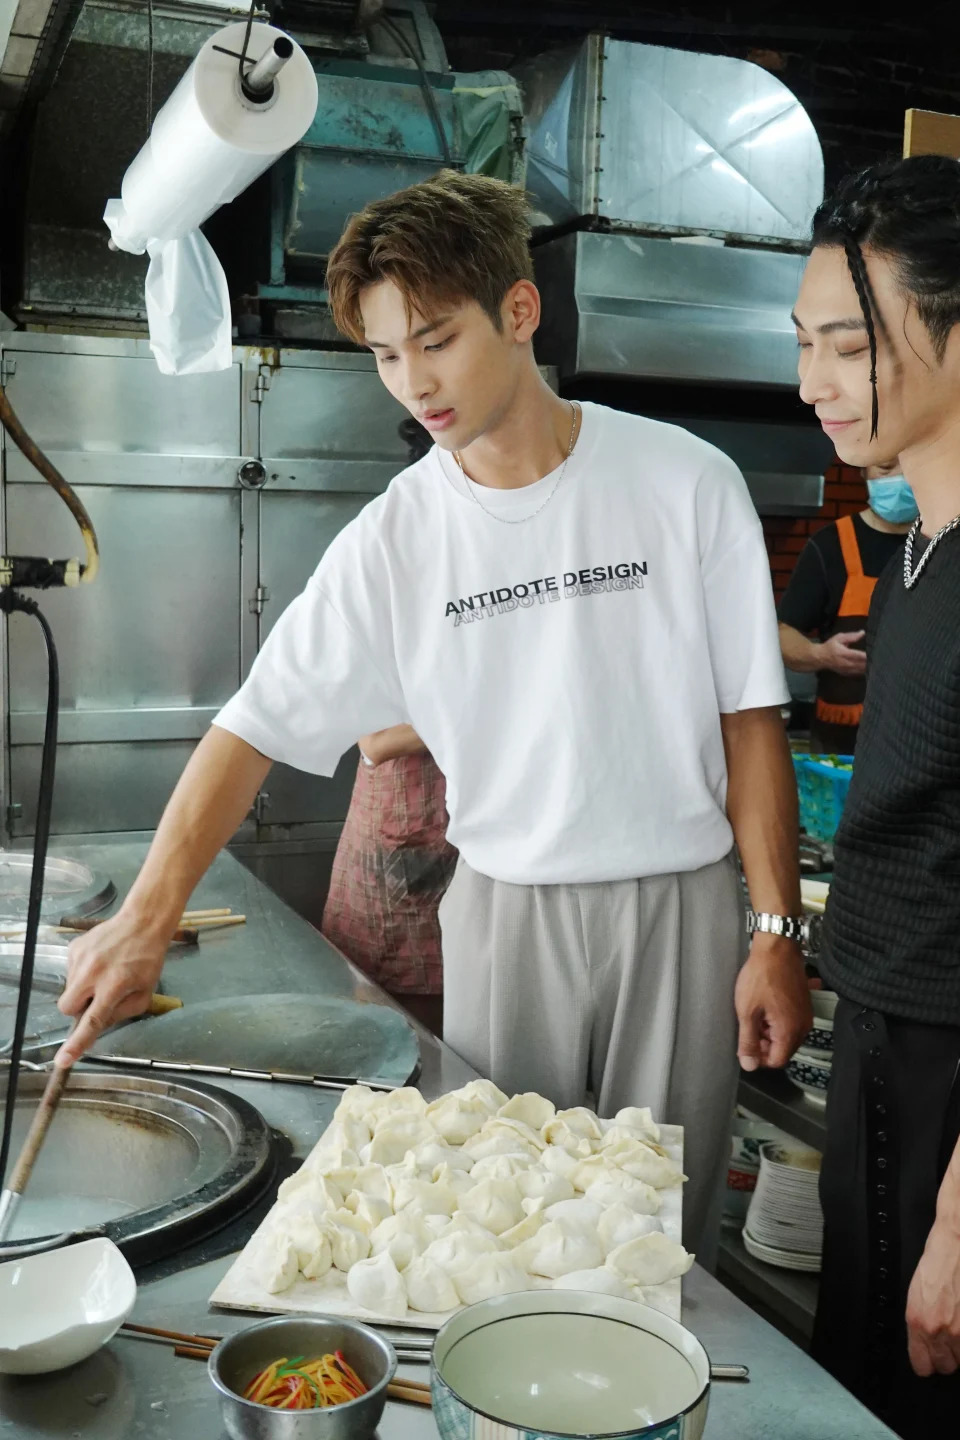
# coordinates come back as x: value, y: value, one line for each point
x: 844, y: 494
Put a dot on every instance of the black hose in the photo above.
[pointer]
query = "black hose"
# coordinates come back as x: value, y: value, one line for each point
x: 426, y: 87
x: 10, y: 601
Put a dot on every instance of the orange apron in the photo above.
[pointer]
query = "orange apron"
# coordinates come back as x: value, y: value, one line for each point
x: 840, y: 697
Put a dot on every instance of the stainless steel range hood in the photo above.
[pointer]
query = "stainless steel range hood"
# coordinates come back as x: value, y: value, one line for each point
x: 688, y: 183
x: 652, y: 308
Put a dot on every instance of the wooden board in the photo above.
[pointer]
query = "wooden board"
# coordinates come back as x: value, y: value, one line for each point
x: 928, y: 132
x: 238, y: 1290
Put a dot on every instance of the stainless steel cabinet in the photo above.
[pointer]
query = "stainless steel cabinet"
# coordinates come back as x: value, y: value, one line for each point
x: 330, y: 443
x: 197, y: 566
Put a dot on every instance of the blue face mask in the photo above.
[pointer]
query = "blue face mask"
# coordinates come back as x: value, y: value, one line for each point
x: 892, y: 499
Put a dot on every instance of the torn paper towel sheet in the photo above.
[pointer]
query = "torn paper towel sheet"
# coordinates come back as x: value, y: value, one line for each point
x: 207, y: 144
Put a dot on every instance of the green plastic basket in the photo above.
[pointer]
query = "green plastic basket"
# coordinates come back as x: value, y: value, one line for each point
x: 822, y: 789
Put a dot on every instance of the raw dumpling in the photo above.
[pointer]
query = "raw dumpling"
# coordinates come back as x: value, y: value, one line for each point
x: 639, y: 1119
x: 641, y: 1161
x: 395, y: 1137
x: 532, y: 1109
x: 619, y: 1223
x: 615, y: 1133
x: 406, y: 1101
x: 370, y: 1210
x: 585, y: 1214
x: 274, y: 1262
x: 490, y: 1141
x: 434, y: 1153
x: 349, y: 1241
x: 526, y: 1229
x: 494, y: 1204
x: 500, y: 1167
x: 376, y: 1285
x: 372, y: 1180
x: 456, y: 1180
x: 359, y: 1102
x: 315, y: 1194
x: 537, y: 1184
x: 600, y: 1280
x: 429, y: 1288
x: 455, y: 1118
x: 465, y: 1224
x: 327, y: 1159
x: 616, y: 1188
x: 650, y: 1260
x: 558, y: 1248
x: 558, y: 1161
x: 529, y: 1138
x: 559, y: 1136
x: 579, y: 1121
x: 404, y: 1236
x: 494, y: 1274
x: 309, y: 1239
x: 486, y: 1092
x: 425, y: 1197
x: 349, y: 1132
x: 456, y: 1250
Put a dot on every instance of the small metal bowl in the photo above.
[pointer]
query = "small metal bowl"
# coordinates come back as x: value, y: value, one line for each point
x: 240, y: 1357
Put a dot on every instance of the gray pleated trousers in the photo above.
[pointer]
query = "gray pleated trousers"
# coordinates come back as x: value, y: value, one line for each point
x: 623, y: 990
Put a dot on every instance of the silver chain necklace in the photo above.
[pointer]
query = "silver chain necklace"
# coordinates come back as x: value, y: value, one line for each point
x: 505, y: 519
x: 911, y: 576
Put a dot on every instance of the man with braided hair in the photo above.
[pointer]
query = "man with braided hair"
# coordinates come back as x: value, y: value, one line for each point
x: 878, y: 326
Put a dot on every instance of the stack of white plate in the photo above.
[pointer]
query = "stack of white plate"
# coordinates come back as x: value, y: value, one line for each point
x: 784, y: 1224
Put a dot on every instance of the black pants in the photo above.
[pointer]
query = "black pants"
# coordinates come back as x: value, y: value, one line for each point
x: 893, y: 1117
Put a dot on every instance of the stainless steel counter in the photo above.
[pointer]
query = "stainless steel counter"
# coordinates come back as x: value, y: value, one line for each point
x: 136, y: 1390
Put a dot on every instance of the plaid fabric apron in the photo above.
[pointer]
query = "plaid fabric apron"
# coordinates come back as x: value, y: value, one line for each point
x: 392, y: 866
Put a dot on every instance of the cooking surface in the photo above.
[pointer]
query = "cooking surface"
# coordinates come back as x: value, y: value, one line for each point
x: 135, y: 1388
x: 135, y: 1155
x: 68, y: 886
x: 45, y: 1024
x: 292, y: 1034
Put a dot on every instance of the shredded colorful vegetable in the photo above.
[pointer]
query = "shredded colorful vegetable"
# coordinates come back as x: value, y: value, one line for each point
x: 301, y: 1384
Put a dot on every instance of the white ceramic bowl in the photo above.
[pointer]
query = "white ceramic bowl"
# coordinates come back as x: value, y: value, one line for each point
x: 60, y: 1306
x: 566, y: 1363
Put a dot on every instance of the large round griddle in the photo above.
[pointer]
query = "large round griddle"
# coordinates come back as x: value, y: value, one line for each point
x: 147, y: 1161
x: 296, y: 1035
x: 69, y: 887
x: 45, y: 1024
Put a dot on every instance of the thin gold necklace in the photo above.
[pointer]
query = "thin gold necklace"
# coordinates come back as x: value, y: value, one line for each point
x: 504, y: 519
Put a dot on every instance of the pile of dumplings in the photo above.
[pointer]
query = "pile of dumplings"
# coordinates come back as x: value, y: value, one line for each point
x: 426, y: 1207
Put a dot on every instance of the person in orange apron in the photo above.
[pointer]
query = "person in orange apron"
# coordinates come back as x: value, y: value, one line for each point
x: 391, y: 870
x: 823, y: 613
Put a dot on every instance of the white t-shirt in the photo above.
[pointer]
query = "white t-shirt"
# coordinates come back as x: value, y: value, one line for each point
x: 567, y: 674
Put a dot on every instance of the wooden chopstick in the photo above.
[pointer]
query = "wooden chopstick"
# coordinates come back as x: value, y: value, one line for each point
x: 409, y: 1390
x: 214, y: 921
x: 172, y: 1335
x: 189, y: 915
x: 414, y: 1392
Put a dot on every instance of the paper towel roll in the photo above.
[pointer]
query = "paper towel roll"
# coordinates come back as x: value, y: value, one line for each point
x: 209, y: 142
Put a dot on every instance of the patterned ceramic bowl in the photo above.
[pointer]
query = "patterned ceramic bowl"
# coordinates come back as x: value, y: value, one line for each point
x: 812, y: 1075
x: 545, y: 1364
x: 820, y: 1038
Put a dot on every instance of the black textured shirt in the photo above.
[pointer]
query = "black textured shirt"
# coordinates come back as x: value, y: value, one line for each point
x: 892, y: 930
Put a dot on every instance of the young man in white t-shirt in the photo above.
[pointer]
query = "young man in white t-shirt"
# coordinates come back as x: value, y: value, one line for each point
x: 572, y: 607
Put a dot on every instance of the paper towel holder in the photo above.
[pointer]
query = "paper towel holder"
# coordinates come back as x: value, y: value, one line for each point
x: 257, y: 84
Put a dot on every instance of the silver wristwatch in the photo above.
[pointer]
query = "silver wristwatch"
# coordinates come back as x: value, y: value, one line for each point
x: 789, y: 927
